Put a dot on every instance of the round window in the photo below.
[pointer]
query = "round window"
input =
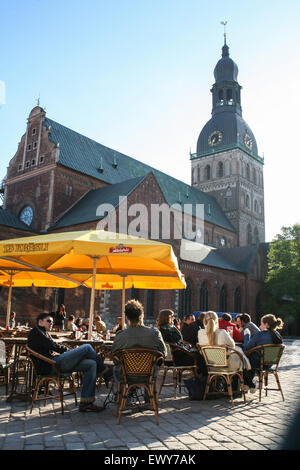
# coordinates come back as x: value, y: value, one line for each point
x: 26, y: 215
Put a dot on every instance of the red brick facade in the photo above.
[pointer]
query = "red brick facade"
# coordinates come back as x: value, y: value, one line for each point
x: 34, y: 178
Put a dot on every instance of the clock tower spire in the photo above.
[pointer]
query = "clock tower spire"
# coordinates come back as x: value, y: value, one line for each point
x: 226, y: 163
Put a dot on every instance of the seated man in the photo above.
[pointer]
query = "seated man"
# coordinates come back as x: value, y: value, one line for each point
x: 190, y: 333
x: 137, y: 335
x: 187, y: 320
x: 100, y: 325
x: 82, y: 359
x: 226, y: 321
x: 246, y: 323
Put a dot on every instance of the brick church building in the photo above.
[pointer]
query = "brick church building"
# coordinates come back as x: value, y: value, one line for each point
x: 58, y: 178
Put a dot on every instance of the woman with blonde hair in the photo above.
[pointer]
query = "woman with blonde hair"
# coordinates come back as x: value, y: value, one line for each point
x: 211, y: 335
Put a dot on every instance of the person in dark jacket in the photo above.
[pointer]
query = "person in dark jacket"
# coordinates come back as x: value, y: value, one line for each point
x: 190, y: 332
x: 82, y: 359
x: 186, y: 322
x: 171, y: 335
x: 60, y: 317
x: 268, y: 334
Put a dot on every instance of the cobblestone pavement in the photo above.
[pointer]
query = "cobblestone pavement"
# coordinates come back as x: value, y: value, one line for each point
x: 183, y: 424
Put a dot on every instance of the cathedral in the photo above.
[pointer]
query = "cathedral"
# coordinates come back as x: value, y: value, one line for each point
x: 58, y: 178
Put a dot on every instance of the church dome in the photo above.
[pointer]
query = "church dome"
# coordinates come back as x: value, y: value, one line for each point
x: 232, y: 129
x: 226, y: 69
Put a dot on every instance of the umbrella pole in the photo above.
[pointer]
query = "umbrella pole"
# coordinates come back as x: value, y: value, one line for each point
x: 123, y: 304
x: 9, y: 301
x: 92, y: 302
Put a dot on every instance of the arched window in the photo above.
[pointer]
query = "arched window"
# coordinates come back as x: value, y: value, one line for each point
x: 194, y: 175
x: 229, y: 94
x: 256, y: 235
x: 186, y: 299
x: 220, y: 94
x: 207, y: 172
x: 247, y: 201
x: 223, y: 242
x: 204, y: 297
x: 220, y: 170
x: 259, y: 267
x: 249, y: 235
x: 248, y: 172
x: 237, y: 300
x: 255, y: 206
x: 254, y: 176
x: 223, y: 299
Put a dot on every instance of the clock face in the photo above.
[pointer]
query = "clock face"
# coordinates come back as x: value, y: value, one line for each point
x: 26, y: 215
x: 248, y: 141
x: 215, y: 138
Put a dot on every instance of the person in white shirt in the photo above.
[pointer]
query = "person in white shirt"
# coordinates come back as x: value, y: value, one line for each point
x: 213, y: 336
x: 71, y: 323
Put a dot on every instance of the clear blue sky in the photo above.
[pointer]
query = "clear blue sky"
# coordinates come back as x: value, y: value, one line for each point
x: 136, y: 75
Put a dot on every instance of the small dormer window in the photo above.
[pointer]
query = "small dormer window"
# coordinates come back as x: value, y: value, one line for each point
x: 33, y: 162
x: 27, y: 164
x: 29, y: 147
x: 20, y: 167
x: 42, y: 159
x: 34, y: 131
x: 34, y: 145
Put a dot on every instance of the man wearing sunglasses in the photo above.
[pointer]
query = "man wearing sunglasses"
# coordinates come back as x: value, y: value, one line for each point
x: 82, y: 359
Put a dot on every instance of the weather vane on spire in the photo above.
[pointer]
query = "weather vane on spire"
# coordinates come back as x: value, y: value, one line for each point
x: 224, y: 23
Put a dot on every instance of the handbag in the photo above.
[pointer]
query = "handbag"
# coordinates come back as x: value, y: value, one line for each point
x: 195, y: 387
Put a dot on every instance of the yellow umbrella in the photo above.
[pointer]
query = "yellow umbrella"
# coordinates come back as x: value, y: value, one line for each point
x: 96, y: 258
x: 14, y: 278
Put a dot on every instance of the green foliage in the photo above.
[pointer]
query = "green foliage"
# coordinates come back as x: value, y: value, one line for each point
x: 282, y: 284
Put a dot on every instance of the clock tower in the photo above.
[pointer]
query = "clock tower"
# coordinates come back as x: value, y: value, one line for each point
x: 226, y: 164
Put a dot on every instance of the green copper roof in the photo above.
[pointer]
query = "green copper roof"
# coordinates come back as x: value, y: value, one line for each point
x: 10, y: 220
x: 239, y: 259
x: 87, y: 156
x: 85, y: 209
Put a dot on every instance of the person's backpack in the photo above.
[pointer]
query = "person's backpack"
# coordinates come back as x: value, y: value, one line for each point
x: 196, y: 387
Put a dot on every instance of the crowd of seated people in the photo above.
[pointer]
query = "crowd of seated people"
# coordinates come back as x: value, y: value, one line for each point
x: 205, y: 329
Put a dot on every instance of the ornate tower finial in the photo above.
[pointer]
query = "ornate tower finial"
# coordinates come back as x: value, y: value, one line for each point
x: 224, y: 23
x: 38, y: 100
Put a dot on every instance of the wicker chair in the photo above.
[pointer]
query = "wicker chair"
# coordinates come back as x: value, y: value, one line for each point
x: 269, y: 355
x: 169, y: 365
x: 58, y: 378
x: 216, y: 359
x: 138, y: 370
x: 5, y: 365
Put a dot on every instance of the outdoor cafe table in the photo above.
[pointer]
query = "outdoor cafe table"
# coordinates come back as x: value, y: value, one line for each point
x: 101, y: 347
x: 17, y: 346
